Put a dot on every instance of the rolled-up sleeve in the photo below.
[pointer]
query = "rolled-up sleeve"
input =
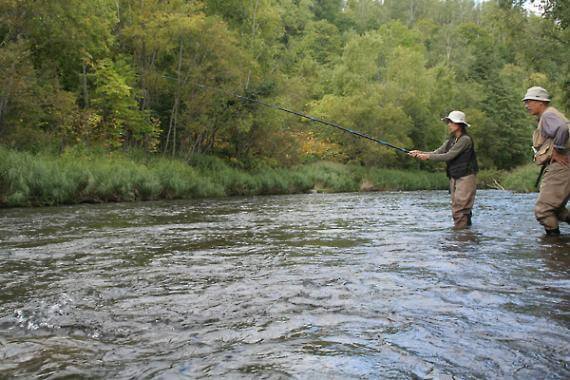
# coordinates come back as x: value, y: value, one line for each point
x: 460, y: 146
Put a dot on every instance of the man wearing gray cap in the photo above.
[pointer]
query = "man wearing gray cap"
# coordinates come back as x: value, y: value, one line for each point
x: 551, y: 145
x: 459, y: 154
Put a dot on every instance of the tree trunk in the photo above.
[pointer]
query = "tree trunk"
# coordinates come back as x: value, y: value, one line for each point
x: 4, y: 100
x: 5, y: 94
x: 146, y: 93
x: 210, y: 146
x: 84, y: 85
x: 412, y: 11
x: 196, y: 146
x: 174, y: 113
x: 253, y: 27
x: 118, y: 6
x: 448, y: 48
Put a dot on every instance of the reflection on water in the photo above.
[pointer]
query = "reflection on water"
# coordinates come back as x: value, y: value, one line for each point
x: 306, y: 286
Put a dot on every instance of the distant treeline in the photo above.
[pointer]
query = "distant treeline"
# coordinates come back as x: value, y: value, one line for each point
x: 155, y: 76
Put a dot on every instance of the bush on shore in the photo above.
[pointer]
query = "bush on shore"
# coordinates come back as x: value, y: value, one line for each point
x: 522, y: 179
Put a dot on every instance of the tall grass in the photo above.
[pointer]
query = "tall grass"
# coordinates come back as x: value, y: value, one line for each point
x: 41, y: 179
x: 522, y: 179
x: 331, y: 177
x: 391, y: 179
x: 33, y: 180
x: 28, y: 179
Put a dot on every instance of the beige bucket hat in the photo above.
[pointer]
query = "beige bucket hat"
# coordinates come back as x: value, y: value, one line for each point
x: 537, y: 93
x: 456, y: 117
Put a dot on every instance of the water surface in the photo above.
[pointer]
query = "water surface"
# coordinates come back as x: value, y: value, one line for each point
x: 373, y: 285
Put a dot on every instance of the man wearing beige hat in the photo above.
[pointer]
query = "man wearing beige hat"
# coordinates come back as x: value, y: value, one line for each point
x: 459, y: 154
x: 551, y: 145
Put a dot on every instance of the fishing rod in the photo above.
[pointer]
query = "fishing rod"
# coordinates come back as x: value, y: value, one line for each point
x: 313, y: 118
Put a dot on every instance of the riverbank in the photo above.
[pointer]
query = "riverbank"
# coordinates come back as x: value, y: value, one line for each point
x: 45, y: 180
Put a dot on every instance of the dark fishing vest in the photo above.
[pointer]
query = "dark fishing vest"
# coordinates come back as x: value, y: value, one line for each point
x: 464, y: 164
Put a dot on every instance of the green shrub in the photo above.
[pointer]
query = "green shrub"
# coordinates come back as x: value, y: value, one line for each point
x: 522, y: 179
x: 490, y: 179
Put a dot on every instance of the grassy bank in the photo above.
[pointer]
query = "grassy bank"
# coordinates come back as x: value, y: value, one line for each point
x: 520, y: 180
x: 38, y: 180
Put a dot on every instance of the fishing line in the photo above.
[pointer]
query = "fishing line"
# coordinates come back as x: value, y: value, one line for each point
x: 300, y: 114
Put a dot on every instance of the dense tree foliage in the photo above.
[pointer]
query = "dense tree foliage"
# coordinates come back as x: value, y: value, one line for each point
x: 161, y: 76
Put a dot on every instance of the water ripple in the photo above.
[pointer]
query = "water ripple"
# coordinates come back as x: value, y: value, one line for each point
x: 307, y: 286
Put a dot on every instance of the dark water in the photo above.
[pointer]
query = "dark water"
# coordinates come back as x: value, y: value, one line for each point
x: 331, y: 286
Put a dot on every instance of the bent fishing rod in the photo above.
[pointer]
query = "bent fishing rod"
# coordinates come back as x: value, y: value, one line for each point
x: 312, y: 118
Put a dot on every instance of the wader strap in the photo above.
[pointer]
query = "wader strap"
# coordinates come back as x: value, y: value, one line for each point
x: 540, y: 174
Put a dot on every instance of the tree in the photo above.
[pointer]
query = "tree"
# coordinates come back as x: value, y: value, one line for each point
x: 67, y: 34
x: 122, y: 123
x: 327, y: 9
x: 321, y: 41
x: 369, y: 114
x: 503, y: 135
x: 131, y: 73
x: 558, y: 10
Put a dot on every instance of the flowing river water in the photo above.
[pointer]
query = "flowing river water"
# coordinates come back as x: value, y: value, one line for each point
x: 334, y: 286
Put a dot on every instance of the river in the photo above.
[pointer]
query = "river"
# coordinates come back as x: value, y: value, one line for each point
x: 312, y: 286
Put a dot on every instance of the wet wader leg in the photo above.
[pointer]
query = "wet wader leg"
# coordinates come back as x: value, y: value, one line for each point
x: 564, y: 214
x: 554, y: 193
x: 462, y: 198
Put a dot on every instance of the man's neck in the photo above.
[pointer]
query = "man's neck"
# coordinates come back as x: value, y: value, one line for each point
x: 542, y: 110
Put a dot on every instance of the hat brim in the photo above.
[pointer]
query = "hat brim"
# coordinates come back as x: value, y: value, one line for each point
x: 454, y: 121
x: 535, y: 98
